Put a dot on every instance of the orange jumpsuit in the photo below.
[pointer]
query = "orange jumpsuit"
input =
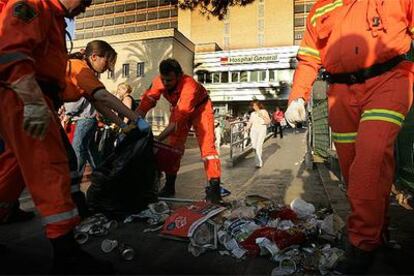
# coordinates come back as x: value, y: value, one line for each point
x: 33, y: 41
x: 346, y: 36
x: 191, y: 106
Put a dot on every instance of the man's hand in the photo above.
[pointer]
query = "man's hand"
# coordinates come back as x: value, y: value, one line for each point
x: 36, y: 113
x: 296, y: 112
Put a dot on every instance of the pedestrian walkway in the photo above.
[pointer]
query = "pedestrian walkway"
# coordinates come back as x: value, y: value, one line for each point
x: 283, y: 176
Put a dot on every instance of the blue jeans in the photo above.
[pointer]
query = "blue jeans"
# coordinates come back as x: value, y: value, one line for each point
x: 83, y: 144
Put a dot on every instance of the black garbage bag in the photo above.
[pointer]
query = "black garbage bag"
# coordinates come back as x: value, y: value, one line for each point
x: 125, y: 181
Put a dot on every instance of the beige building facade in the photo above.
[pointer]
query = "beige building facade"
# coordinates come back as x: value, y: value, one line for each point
x: 264, y: 23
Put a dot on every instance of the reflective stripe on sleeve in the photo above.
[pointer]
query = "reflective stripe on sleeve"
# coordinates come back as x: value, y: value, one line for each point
x: 344, y: 137
x: 307, y: 51
x: 211, y: 157
x: 325, y: 9
x: 60, y: 217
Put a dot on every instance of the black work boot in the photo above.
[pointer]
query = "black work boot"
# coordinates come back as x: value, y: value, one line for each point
x: 80, y: 201
x: 355, y: 262
x: 69, y: 258
x: 17, y: 215
x: 169, y: 188
x: 213, y: 193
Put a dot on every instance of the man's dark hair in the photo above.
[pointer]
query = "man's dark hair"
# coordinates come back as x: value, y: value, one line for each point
x: 170, y: 65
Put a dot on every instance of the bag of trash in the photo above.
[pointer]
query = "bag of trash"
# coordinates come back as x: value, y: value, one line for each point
x: 125, y: 181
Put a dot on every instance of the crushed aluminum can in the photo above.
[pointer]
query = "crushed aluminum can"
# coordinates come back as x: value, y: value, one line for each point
x: 160, y: 207
x: 81, y: 237
x: 111, y: 225
x: 126, y: 251
x: 286, y: 267
x: 196, y: 250
x: 223, y: 237
x: 108, y: 245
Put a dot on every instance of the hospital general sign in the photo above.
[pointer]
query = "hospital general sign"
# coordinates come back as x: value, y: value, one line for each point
x: 248, y: 59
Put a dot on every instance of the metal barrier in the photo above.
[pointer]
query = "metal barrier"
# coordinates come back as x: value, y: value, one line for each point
x: 239, y: 138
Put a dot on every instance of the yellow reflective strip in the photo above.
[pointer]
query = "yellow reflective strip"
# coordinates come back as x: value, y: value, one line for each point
x: 306, y: 51
x: 325, y: 9
x: 384, y: 111
x: 342, y: 134
x: 344, y: 141
x: 379, y: 118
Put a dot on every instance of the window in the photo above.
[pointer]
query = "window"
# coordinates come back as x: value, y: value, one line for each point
x: 140, y: 69
x: 243, y: 76
x: 98, y: 1
x: 88, y: 35
x: 258, y: 76
x: 141, y: 17
x: 109, y: 22
x: 299, y: 22
x: 208, y: 77
x: 165, y: 2
x: 109, y: 32
x: 79, y: 26
x: 142, y: 5
x: 201, y: 77
x: 174, y: 12
x: 226, y: 42
x: 110, y: 75
x: 272, y: 75
x: 98, y: 34
x: 98, y: 23
x: 152, y: 3
x: 99, y: 12
x: 164, y: 14
x: 216, y: 77
x: 119, y: 8
x: 125, y: 70
x: 165, y: 25
x: 174, y: 24
x: 261, y: 10
x: 226, y: 28
x: 88, y: 24
x: 298, y: 35
x: 89, y: 13
x: 142, y: 28
x: 260, y: 25
x: 129, y: 18
x: 152, y: 27
x: 109, y: 10
x: 119, y: 20
x: 152, y: 15
x: 224, y: 77
x: 260, y: 40
x: 234, y: 76
x: 119, y: 31
x: 130, y: 30
x: 130, y: 6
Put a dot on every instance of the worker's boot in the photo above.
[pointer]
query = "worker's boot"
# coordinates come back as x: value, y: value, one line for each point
x: 69, y: 258
x: 213, y: 191
x: 13, y: 214
x: 169, y: 188
x: 355, y: 262
x: 80, y: 201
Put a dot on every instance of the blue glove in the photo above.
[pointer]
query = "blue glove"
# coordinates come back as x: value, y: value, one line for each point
x: 143, y: 125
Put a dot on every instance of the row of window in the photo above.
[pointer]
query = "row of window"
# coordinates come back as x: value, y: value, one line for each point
x: 126, y: 71
x: 245, y: 76
x: 123, y: 7
x: 301, y: 8
x: 126, y: 19
x: 125, y: 30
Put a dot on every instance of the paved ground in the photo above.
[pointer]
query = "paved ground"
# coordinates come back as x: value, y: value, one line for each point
x: 283, y: 177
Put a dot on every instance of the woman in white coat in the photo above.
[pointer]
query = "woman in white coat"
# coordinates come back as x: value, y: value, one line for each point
x: 259, y: 119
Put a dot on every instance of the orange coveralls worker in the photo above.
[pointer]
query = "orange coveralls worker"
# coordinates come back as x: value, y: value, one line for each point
x: 33, y: 41
x: 365, y: 114
x: 191, y: 106
x: 81, y: 81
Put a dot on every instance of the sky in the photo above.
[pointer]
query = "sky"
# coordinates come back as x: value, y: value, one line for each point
x: 71, y: 27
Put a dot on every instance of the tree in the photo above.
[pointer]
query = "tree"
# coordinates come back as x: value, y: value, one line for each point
x: 216, y: 8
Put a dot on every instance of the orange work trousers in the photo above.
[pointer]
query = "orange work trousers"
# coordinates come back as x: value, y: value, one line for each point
x: 41, y: 164
x: 203, y: 123
x: 365, y: 120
